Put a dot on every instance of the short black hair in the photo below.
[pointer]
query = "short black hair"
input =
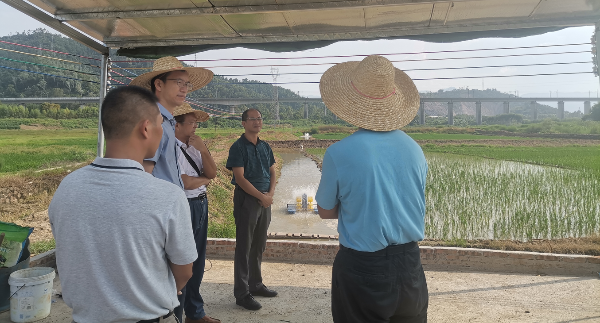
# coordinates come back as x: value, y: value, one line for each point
x: 245, y: 114
x: 162, y: 77
x: 124, y: 107
x: 180, y: 118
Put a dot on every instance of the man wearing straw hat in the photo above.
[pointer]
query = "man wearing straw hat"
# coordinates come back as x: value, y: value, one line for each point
x: 373, y: 182
x: 197, y: 169
x: 170, y: 81
x: 124, y: 243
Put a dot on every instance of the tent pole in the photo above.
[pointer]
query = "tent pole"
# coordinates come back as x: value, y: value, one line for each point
x: 103, y: 82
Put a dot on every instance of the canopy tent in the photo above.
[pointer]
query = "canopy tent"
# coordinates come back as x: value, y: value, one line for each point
x: 155, y: 28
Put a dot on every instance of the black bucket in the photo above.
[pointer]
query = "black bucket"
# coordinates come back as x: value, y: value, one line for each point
x: 5, y: 273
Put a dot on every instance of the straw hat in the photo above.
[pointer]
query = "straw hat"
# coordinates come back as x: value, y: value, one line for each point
x: 199, y: 76
x: 371, y: 94
x: 185, y: 108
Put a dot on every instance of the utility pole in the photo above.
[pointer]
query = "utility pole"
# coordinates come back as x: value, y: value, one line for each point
x: 275, y: 74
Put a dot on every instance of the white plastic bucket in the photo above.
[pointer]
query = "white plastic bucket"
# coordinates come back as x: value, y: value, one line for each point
x: 31, y: 291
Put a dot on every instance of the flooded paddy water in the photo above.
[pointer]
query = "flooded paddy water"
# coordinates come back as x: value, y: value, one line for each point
x: 299, y: 175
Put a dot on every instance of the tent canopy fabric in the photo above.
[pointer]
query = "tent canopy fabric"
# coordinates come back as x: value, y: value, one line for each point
x: 155, y: 28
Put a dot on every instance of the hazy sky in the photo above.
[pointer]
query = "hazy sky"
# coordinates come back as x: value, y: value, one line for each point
x: 12, y: 21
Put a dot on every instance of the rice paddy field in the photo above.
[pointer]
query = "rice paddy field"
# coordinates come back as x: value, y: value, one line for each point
x: 513, y: 192
x: 470, y: 197
x: 478, y: 187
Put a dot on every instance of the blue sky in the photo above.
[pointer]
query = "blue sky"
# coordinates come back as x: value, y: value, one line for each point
x: 12, y: 21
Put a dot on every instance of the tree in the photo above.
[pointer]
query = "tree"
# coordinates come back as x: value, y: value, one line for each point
x: 594, y: 114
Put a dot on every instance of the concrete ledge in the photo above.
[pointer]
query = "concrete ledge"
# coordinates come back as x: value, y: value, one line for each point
x: 433, y: 258
x: 46, y: 259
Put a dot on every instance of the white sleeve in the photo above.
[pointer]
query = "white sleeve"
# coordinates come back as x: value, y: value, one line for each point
x: 184, y: 165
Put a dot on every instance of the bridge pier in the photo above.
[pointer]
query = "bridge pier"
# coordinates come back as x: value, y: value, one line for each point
x: 534, y: 110
x: 451, y: 113
x: 587, y: 107
x: 305, y: 110
x: 232, y: 109
x: 561, y: 110
x: 478, y: 112
x: 422, y: 113
x: 506, y: 107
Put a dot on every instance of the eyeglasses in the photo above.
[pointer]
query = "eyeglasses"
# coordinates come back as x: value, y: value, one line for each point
x: 194, y: 124
x: 255, y: 119
x: 181, y: 83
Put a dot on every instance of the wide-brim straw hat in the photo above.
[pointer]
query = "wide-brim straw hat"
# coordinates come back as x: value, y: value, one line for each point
x: 199, y: 76
x: 371, y: 94
x: 185, y: 108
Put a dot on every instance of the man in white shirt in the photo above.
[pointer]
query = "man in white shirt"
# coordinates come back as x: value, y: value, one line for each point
x: 197, y: 169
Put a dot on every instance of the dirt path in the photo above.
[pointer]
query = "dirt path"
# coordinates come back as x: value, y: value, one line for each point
x: 304, y: 297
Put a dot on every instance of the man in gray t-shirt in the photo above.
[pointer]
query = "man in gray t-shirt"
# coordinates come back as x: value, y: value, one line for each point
x: 124, y: 243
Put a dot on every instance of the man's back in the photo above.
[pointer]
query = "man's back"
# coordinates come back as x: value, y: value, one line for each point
x: 379, y: 178
x: 115, y: 225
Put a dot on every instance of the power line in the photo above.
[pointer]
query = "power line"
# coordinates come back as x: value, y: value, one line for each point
x: 65, y: 77
x: 49, y: 50
x: 429, y: 79
x: 414, y: 69
x: 124, y: 68
x: 56, y: 67
x: 54, y: 58
x: 394, y: 61
x: 112, y: 79
x: 364, y: 55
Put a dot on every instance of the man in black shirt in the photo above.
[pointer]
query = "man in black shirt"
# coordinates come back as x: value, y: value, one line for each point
x: 252, y: 162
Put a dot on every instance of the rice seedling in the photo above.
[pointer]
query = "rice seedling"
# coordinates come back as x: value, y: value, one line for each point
x: 476, y: 198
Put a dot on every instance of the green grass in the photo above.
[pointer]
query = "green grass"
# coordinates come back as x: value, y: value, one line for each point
x: 23, y: 150
x: 475, y: 198
x: 331, y: 136
x: 572, y: 157
x: 41, y: 246
x: 459, y: 136
x: 427, y: 136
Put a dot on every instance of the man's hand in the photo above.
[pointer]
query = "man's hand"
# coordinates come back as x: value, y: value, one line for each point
x: 196, y: 142
x: 266, y: 200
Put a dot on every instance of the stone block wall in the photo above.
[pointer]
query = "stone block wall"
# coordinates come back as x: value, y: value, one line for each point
x: 433, y: 258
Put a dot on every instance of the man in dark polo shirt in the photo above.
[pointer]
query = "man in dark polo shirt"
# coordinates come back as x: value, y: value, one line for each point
x: 252, y: 162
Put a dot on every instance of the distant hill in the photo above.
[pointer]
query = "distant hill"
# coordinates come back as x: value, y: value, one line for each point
x: 64, y: 75
x: 70, y: 76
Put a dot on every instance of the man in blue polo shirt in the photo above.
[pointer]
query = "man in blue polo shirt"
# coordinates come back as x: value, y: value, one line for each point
x: 373, y: 182
x: 252, y: 162
x: 170, y: 81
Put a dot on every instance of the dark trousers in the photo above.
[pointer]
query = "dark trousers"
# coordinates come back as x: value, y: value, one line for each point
x: 251, y: 225
x: 383, y: 286
x: 191, y: 301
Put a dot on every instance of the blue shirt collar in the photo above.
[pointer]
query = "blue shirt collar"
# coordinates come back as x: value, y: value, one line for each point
x: 165, y: 112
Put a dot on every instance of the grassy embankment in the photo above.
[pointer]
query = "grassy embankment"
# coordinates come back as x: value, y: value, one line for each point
x: 33, y: 162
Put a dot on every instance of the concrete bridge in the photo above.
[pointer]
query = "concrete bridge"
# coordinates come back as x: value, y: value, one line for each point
x: 232, y: 102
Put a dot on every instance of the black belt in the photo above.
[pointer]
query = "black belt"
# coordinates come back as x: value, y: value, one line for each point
x: 389, y: 250
x: 200, y: 197
x: 156, y: 319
